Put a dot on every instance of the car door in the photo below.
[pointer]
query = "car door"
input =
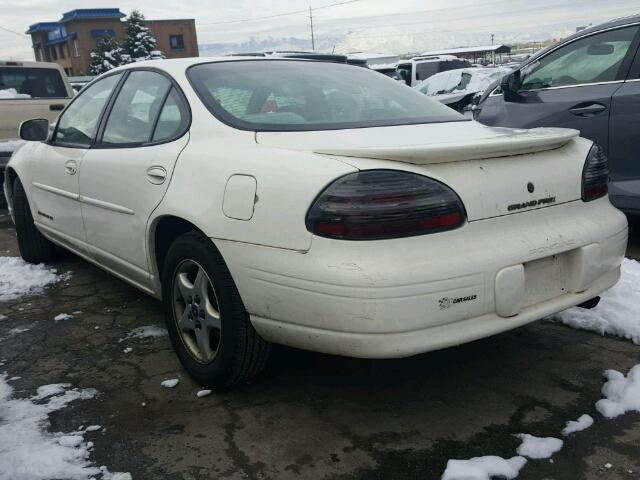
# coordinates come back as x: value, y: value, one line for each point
x: 571, y: 86
x: 125, y: 175
x: 624, y: 149
x: 55, y: 165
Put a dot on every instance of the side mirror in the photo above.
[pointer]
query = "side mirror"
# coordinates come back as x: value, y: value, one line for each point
x: 510, y: 86
x: 36, y: 130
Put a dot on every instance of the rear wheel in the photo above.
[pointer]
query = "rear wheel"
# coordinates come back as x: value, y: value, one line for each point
x: 33, y: 246
x: 208, y: 325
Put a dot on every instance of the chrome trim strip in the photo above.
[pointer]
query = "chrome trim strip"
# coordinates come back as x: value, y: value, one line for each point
x: 573, y: 86
x: 632, y: 80
x: 106, y: 205
x: 56, y: 191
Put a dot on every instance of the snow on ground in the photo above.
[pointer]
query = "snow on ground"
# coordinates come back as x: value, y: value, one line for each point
x: 582, y: 423
x: 483, y: 468
x: 538, y: 447
x: 18, y: 278
x: 170, y: 383
x: 63, y: 316
x: 28, y: 451
x: 622, y: 393
x: 617, y: 313
x: 148, y: 331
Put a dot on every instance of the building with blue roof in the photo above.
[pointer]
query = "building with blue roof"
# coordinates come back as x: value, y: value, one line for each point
x: 70, y: 40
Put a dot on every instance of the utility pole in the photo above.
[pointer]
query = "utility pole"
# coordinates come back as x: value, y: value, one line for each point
x: 313, y: 40
x: 493, y: 52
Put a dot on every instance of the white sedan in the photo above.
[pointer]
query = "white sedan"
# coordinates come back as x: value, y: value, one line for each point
x: 311, y: 204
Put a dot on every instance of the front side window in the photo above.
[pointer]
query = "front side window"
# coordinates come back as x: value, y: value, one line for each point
x: 286, y: 95
x: 78, y: 123
x: 134, y: 113
x: 593, y: 59
x: 32, y: 82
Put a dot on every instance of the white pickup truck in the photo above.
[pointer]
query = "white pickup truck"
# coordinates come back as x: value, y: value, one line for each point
x: 28, y: 90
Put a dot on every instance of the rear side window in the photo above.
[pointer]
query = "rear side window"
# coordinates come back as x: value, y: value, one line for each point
x: 593, y: 59
x: 148, y: 109
x: 21, y: 82
x: 135, y: 111
x: 172, y: 118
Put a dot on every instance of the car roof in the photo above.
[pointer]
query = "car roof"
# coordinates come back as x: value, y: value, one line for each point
x: 177, y: 66
x: 617, y: 22
x: 29, y: 64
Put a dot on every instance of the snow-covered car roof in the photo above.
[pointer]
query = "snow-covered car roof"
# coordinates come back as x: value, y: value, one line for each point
x: 454, y: 81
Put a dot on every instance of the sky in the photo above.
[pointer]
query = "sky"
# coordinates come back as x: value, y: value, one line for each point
x: 392, y: 26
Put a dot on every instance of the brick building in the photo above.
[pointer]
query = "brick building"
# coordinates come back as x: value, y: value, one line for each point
x: 70, y: 40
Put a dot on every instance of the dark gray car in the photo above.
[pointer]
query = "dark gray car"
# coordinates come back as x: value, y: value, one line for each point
x: 589, y: 81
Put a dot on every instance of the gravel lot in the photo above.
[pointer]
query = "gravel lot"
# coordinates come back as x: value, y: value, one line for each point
x: 313, y: 416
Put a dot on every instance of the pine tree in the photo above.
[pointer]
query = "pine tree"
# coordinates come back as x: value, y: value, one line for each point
x: 107, y: 55
x: 139, y: 42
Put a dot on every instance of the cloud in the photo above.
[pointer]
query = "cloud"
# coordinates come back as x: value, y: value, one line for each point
x: 367, y: 24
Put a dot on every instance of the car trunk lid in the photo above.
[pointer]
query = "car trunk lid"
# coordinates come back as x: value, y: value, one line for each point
x: 495, y: 171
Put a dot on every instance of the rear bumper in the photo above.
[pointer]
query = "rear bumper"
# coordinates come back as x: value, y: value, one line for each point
x: 401, y: 297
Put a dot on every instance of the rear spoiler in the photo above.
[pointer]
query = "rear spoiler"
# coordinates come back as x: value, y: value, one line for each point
x: 512, y: 142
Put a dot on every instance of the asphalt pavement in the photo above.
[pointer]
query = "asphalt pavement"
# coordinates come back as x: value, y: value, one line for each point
x: 313, y: 416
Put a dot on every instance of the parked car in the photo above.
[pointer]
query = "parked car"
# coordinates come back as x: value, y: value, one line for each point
x: 591, y: 82
x: 28, y: 90
x: 322, y: 57
x: 388, y: 69
x: 461, y: 89
x: 79, y: 82
x: 420, y: 68
x: 313, y: 204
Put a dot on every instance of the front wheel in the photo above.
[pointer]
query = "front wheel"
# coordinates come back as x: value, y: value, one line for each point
x: 33, y: 246
x: 208, y: 325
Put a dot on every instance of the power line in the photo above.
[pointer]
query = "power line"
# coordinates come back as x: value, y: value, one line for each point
x: 12, y: 31
x: 284, y: 14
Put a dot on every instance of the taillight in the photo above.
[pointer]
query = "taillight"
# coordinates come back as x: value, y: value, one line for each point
x: 381, y: 204
x: 595, y: 174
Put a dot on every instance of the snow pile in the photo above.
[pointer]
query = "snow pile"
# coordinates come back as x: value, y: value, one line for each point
x: 12, y: 93
x: 483, y: 468
x: 18, y: 278
x: 622, y: 393
x: 617, y: 313
x: 170, y: 383
x: 538, y: 447
x: 148, y: 331
x: 582, y: 423
x: 63, y: 316
x: 28, y: 451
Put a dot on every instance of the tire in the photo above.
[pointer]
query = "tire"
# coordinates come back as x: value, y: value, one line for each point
x: 240, y: 352
x: 33, y: 246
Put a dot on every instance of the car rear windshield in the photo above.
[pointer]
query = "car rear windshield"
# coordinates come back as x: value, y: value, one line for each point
x: 23, y: 83
x: 286, y: 95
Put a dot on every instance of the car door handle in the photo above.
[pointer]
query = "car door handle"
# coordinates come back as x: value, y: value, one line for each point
x: 56, y: 107
x: 71, y: 167
x: 156, y: 175
x: 589, y: 110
